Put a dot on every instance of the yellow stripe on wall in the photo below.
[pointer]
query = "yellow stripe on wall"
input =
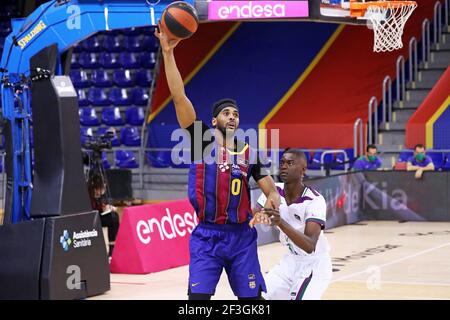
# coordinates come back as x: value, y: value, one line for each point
x: 197, y: 69
x: 290, y: 92
x: 430, y: 123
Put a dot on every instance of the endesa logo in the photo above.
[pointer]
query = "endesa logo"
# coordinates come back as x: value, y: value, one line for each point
x: 169, y: 227
x: 234, y: 10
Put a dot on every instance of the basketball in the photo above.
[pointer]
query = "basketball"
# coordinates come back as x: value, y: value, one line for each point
x: 179, y: 20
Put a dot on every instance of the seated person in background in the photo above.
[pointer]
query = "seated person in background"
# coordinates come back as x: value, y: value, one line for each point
x: 368, y: 162
x: 100, y: 202
x: 420, y: 162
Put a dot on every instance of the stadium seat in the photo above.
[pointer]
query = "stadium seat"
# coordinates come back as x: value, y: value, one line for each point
x: 144, y: 78
x: 2, y: 44
x: 147, y: 60
x: 158, y: 159
x: 126, y: 159
x: 140, y: 96
x: 131, y: 31
x: 74, y: 64
x: 128, y: 60
x: 80, y: 79
x: 100, y: 78
x: 92, y: 44
x: 111, y: 43
x: 98, y: 97
x: 85, y: 133
x: 150, y: 43
x: 135, y: 116
x: 340, y: 162
x: 109, y: 60
x: 83, y: 101
x: 123, y: 78
x: 88, y: 60
x: 132, y: 44
x: 111, y: 116
x: 105, y: 161
x: 115, y: 142
x: 446, y: 165
x: 438, y: 159
x: 130, y: 137
x: 315, y: 162
x: 120, y: 97
x: 88, y: 117
x: 77, y: 48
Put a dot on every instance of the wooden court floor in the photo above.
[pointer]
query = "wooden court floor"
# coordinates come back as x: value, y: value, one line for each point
x: 371, y: 260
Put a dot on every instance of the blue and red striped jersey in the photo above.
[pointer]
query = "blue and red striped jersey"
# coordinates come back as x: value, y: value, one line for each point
x: 219, y: 190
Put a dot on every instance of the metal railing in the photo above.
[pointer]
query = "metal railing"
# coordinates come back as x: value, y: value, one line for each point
x: 387, y: 99
x: 358, y: 123
x: 412, y: 61
x: 426, y: 45
x: 437, y: 22
x: 372, y: 112
x: 400, y: 79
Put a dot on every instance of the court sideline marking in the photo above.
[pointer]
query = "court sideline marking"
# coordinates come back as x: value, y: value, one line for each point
x: 393, y: 262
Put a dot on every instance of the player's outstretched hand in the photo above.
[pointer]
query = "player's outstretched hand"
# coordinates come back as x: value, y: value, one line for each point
x: 166, y: 44
x: 259, y: 218
x: 274, y: 216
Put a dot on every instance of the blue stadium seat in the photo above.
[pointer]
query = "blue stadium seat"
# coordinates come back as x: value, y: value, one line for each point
x: 135, y: 116
x: 111, y: 116
x: 2, y: 43
x: 120, y: 97
x: 88, y: 60
x: 315, y: 162
x: 109, y: 60
x: 405, y: 155
x: 115, y: 142
x: 88, y: 117
x: 128, y: 60
x: 83, y: 101
x: 77, y: 48
x: 80, y: 79
x: 147, y: 60
x: 112, y: 43
x: 340, y: 162
x: 126, y: 159
x: 132, y: 44
x: 130, y: 137
x: 131, y: 31
x: 438, y: 159
x: 105, y: 161
x: 144, y: 78
x: 446, y: 165
x: 74, y: 64
x: 1, y: 164
x: 92, y: 44
x: 100, y: 78
x: 140, y: 96
x: 98, y: 97
x: 158, y: 159
x: 150, y: 43
x: 123, y: 78
x: 84, y: 134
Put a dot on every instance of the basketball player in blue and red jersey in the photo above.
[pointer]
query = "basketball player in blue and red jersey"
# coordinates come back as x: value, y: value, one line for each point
x: 220, y: 193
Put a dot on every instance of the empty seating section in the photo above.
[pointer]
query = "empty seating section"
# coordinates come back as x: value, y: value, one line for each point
x: 112, y: 72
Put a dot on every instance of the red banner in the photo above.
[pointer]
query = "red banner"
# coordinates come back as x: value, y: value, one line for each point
x: 154, y: 237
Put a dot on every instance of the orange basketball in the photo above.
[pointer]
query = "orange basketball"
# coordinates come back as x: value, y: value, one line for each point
x: 179, y: 20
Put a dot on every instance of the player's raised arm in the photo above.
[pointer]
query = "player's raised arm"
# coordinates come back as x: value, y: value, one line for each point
x: 183, y: 106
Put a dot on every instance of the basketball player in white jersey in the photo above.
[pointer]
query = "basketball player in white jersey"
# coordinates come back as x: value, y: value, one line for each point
x: 305, y: 270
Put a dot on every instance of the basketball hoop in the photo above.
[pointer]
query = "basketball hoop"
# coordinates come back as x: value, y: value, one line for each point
x: 387, y: 18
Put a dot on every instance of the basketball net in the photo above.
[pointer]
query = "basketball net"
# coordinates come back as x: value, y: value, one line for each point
x: 387, y: 19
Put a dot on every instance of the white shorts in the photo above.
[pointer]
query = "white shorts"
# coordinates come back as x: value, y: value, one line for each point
x: 298, y: 278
